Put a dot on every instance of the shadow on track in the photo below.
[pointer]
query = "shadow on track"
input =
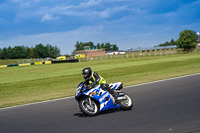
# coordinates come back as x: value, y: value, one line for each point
x: 81, y: 114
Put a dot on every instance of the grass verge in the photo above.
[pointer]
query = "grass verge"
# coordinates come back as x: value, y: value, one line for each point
x: 21, y: 85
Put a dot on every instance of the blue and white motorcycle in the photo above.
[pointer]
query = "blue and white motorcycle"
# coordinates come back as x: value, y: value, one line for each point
x: 92, y: 101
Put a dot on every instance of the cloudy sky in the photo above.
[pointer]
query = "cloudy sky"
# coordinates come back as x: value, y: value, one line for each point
x: 127, y: 23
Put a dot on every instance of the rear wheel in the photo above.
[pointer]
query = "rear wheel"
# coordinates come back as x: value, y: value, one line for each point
x: 90, y: 109
x: 126, y: 104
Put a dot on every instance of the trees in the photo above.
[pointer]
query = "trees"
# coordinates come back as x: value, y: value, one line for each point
x: 18, y: 52
x: 102, y: 45
x: 115, y: 48
x: 81, y: 45
x: 172, y: 42
x: 40, y: 51
x: 98, y: 45
x: 111, y: 47
x: 4, y: 53
x: 30, y: 53
x: 55, y: 52
x: 107, y: 46
x: 21, y: 52
x: 188, y: 40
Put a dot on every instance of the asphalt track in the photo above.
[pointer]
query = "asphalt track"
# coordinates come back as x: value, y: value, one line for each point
x: 159, y: 107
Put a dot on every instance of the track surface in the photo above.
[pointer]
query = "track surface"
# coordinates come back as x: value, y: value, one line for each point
x: 159, y: 106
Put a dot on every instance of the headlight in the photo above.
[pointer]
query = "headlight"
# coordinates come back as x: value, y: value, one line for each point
x: 78, y: 90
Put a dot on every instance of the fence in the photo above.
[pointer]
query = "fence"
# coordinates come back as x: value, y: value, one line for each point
x: 107, y: 57
x: 138, y: 54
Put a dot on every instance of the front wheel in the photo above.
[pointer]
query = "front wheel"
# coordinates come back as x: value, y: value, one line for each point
x: 88, y: 106
x: 126, y: 104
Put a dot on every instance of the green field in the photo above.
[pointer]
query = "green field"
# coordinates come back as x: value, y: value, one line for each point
x: 21, y: 85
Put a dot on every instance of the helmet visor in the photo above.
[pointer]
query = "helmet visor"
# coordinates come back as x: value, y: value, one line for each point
x: 85, y: 76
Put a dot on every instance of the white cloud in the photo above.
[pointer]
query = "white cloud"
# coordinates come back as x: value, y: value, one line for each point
x: 49, y: 17
x: 89, y: 3
x: 83, y: 9
x: 121, y: 21
x: 64, y: 40
x: 102, y: 14
x: 21, y: 3
x: 88, y: 13
x: 65, y: 7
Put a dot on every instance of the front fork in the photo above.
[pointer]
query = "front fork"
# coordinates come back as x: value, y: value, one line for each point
x: 89, y: 101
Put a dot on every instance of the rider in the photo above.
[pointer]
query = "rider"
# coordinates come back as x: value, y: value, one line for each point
x: 93, y: 78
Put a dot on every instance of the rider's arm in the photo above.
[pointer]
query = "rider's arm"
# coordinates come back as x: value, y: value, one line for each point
x: 97, y: 77
x: 87, y: 83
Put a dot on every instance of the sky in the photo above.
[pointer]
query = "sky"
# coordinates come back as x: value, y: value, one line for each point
x: 126, y: 23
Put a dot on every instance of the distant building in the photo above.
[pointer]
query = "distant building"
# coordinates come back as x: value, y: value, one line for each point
x: 152, y: 48
x: 90, y: 53
x: 115, y: 52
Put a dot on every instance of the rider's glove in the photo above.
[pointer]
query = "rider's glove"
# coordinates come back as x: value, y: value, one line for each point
x: 92, y: 85
x: 88, y: 86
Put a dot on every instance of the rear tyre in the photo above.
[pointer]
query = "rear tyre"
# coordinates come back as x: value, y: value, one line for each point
x: 86, y: 108
x: 126, y: 104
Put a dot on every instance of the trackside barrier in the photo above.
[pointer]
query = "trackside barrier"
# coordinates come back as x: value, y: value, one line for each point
x: 11, y: 65
x: 25, y: 64
x: 38, y: 63
x: 47, y: 62
x: 66, y: 61
x: 3, y: 66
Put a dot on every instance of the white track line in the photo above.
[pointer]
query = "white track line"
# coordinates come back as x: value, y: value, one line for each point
x: 73, y: 96
x: 36, y: 103
x: 163, y: 80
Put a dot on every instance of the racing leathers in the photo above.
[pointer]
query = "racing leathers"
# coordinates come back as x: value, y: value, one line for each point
x: 96, y: 79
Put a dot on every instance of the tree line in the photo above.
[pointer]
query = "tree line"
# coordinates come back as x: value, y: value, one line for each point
x: 107, y: 46
x: 22, y: 52
x: 188, y: 41
x: 172, y: 42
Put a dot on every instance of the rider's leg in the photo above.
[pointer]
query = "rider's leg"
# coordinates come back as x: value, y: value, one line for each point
x: 111, y: 91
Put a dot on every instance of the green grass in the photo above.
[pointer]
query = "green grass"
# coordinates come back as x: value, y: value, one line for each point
x: 21, y: 85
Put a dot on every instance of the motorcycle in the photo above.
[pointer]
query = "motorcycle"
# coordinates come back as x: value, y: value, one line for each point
x: 94, y: 100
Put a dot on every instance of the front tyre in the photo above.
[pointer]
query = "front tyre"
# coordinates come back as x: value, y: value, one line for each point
x: 90, y: 109
x: 126, y: 104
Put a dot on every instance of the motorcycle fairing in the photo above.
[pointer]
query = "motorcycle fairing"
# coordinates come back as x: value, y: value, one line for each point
x: 103, y: 97
x: 115, y: 85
